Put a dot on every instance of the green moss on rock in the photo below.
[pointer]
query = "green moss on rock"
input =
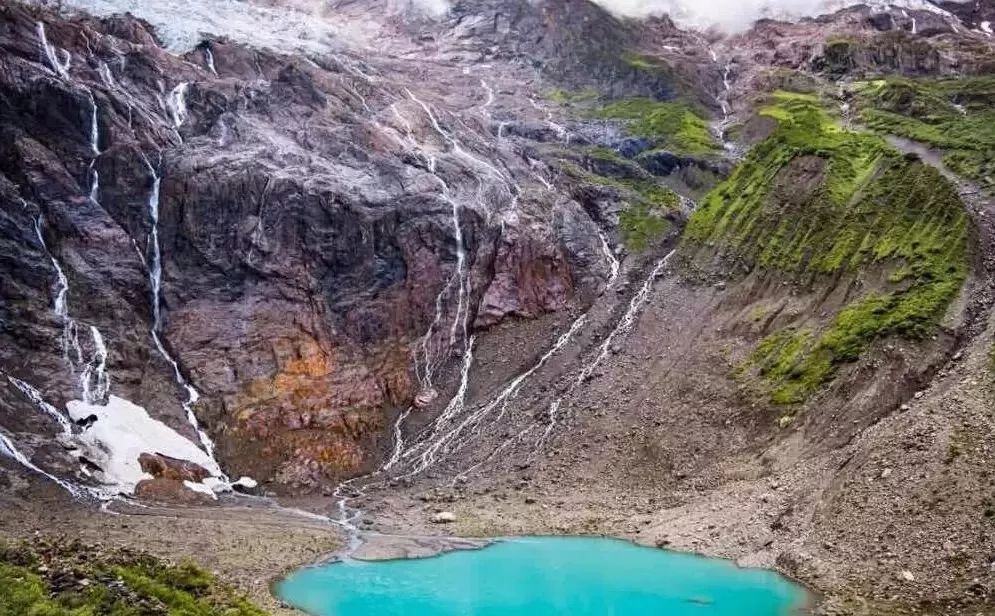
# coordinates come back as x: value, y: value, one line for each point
x: 43, y: 579
x: 814, y: 201
x: 955, y: 115
x: 674, y: 126
x: 649, y: 205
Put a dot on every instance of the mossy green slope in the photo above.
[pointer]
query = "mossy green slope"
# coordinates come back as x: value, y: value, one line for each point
x: 870, y: 207
x: 673, y: 126
x: 955, y: 115
x: 77, y: 580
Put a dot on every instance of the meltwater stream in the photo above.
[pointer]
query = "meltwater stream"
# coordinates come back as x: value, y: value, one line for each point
x: 543, y: 576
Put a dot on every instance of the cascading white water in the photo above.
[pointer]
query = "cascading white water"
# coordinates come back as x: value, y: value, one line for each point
x: 155, y: 281
x: 398, y: 449
x: 8, y: 449
x: 460, y: 276
x: 60, y: 304
x: 561, y: 132
x: 39, y: 401
x: 635, y: 305
x: 613, y: 264
x: 428, y: 451
x: 427, y: 455
x: 462, y: 305
x: 457, y: 148
x: 624, y: 324
x: 94, y: 127
x: 209, y: 60
x: 155, y: 266
x: 486, y: 107
x: 95, y: 148
x: 94, y: 379
x: 61, y: 67
x: 176, y: 103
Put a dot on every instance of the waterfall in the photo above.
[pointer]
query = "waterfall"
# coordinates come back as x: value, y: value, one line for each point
x: 627, y: 320
x: 95, y: 148
x: 209, y: 60
x: 94, y: 380
x: 36, y: 398
x: 94, y: 182
x: 447, y: 441
x: 155, y: 281
x: 61, y: 67
x: 453, y: 409
x: 485, y: 108
x: 94, y: 127
x: 462, y: 305
x: 610, y: 258
x: 398, y: 448
x: 561, y: 132
x: 460, y: 276
x: 60, y: 304
x: 176, y: 104
x: 8, y: 449
x: 624, y: 324
x: 155, y: 267
x: 455, y: 144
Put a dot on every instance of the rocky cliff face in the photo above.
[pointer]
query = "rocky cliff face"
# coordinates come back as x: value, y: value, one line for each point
x: 674, y: 285
x: 308, y: 238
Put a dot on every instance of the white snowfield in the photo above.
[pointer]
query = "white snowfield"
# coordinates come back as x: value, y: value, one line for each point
x: 736, y: 15
x: 122, y: 432
x: 310, y: 26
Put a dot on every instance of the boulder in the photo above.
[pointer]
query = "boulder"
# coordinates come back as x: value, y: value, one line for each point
x: 444, y: 517
x: 165, y: 467
x: 171, y: 492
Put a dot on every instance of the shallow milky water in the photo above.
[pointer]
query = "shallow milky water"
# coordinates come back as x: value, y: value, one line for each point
x: 543, y: 576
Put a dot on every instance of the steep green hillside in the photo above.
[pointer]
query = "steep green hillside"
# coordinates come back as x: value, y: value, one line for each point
x: 956, y: 115
x: 817, y: 202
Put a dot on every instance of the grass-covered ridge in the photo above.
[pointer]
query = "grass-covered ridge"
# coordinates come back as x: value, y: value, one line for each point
x: 43, y: 579
x: 955, y: 115
x: 815, y: 201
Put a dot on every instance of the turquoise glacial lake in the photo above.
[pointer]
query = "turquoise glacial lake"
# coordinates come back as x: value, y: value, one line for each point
x: 543, y: 576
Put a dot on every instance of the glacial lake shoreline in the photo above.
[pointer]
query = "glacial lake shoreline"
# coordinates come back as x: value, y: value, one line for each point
x: 630, y: 562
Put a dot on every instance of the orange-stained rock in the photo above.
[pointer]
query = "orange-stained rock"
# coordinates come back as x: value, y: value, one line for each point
x: 170, y: 491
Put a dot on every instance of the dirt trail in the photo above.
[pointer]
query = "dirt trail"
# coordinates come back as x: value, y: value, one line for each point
x: 981, y: 208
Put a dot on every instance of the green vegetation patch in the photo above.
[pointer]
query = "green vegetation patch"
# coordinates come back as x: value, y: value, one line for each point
x: 673, y: 126
x: 43, y: 579
x: 850, y: 204
x: 641, y: 224
x: 955, y: 115
x: 568, y: 97
x: 649, y: 205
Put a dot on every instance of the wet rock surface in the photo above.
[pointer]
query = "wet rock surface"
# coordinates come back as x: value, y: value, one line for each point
x: 306, y: 227
x: 399, y: 260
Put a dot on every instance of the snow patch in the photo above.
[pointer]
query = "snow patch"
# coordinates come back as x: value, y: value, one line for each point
x: 121, y: 432
x: 201, y: 488
x: 737, y: 15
